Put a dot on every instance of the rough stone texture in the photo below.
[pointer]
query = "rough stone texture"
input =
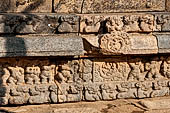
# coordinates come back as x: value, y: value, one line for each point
x: 143, y: 44
x: 163, y: 43
x: 38, y: 23
x: 167, y: 5
x: 41, y: 46
x: 108, y: 6
x: 162, y: 21
x: 26, y: 6
x: 68, y: 6
x: 156, y: 104
x: 102, y: 23
x: 122, y: 43
x: 54, y: 80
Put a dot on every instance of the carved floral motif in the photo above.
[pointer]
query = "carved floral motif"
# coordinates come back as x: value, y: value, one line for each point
x: 117, y: 43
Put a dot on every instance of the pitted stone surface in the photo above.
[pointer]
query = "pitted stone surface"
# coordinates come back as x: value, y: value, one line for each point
x: 38, y: 23
x: 26, y: 6
x: 54, y: 80
x: 163, y: 43
x: 40, y: 46
x: 68, y: 6
x: 108, y: 6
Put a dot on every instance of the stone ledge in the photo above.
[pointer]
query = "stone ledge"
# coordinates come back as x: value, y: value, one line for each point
x: 38, y: 23
x: 163, y: 43
x: 41, y: 46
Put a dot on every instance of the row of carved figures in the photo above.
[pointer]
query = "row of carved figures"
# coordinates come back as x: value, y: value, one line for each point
x: 35, y: 75
x: 89, y: 92
x: 134, y: 70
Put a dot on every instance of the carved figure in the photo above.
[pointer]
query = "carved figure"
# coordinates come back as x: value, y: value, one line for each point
x: 90, y: 24
x: 137, y: 71
x: 153, y: 69
x: 146, y: 23
x: 127, y: 90
x: 160, y: 89
x: 165, y: 68
x: 131, y: 23
x: 47, y: 74
x: 114, y: 23
x: 64, y: 74
x: 16, y: 76
x: 92, y: 93
x: 144, y: 89
x: 5, y: 74
x: 32, y: 75
x: 109, y: 91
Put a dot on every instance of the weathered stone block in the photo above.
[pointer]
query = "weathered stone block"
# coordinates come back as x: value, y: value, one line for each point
x: 167, y: 5
x: 54, y: 80
x: 163, y: 42
x: 162, y: 21
x: 102, y: 23
x: 26, y: 6
x: 124, y: 43
x: 100, y: 6
x: 68, y: 6
x: 38, y: 23
x: 143, y: 44
x: 40, y: 46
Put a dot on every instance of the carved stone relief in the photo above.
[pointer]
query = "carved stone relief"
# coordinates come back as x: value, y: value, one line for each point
x: 115, y: 43
x: 83, y: 79
x: 110, y: 71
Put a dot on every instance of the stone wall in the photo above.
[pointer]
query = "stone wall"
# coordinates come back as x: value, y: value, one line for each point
x: 56, y: 51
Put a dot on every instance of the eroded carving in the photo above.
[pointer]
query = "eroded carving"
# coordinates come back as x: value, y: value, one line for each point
x: 32, y: 75
x: 153, y: 68
x: 109, y: 91
x: 92, y: 92
x: 110, y: 71
x: 115, y: 43
x: 144, y: 89
x: 127, y: 90
x: 16, y: 75
x: 47, y: 74
x: 160, y: 88
x: 137, y: 70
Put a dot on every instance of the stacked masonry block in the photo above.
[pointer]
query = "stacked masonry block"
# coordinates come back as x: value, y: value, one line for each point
x: 56, y: 51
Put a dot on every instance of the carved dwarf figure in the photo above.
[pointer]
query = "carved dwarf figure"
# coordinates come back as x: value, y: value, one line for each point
x: 114, y: 23
x: 160, y: 89
x: 153, y: 69
x: 144, y: 89
x: 137, y: 71
x: 5, y: 74
x: 131, y: 23
x: 127, y: 90
x: 32, y: 75
x: 165, y: 68
x: 47, y: 74
x: 16, y: 76
x: 64, y: 74
x: 147, y: 23
x: 90, y: 24
x: 92, y: 93
x: 109, y: 91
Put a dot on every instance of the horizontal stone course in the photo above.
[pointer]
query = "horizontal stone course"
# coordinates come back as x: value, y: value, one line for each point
x: 41, y: 46
x: 107, y: 6
x: 38, y: 23
x: 54, y: 80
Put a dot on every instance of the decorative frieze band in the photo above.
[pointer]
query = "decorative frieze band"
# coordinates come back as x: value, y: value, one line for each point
x: 32, y: 81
